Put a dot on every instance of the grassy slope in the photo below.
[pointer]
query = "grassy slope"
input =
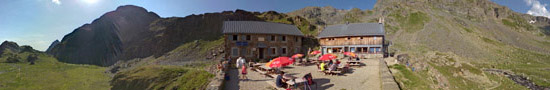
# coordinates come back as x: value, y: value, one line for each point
x: 410, y: 23
x: 162, y: 77
x: 410, y: 80
x: 154, y: 76
x: 49, y: 74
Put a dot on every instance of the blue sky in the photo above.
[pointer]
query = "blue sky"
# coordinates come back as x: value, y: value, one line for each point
x: 39, y: 22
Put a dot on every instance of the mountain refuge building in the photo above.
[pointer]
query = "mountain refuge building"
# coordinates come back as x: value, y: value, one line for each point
x: 261, y: 40
x: 360, y: 38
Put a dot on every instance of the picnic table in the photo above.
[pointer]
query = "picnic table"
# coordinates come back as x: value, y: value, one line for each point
x: 293, y: 81
x: 256, y: 65
x: 264, y: 68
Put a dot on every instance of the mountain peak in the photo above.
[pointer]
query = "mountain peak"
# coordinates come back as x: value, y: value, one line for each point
x: 102, y: 41
x: 130, y: 7
x: 9, y: 45
x: 54, y: 43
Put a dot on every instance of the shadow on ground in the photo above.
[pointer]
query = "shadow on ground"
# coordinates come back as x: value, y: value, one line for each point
x: 233, y: 82
x: 321, y: 84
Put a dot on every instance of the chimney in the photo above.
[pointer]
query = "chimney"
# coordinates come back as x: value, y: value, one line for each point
x: 381, y: 20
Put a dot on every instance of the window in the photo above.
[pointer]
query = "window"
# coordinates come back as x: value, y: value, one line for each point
x: 235, y: 37
x: 234, y: 51
x: 272, y: 38
x: 328, y: 39
x: 283, y: 38
x: 374, y: 38
x: 243, y: 37
x: 348, y: 38
x: 247, y: 37
x: 261, y: 39
x: 251, y: 52
x: 283, y: 50
x: 273, y: 51
x: 361, y: 38
x: 296, y: 39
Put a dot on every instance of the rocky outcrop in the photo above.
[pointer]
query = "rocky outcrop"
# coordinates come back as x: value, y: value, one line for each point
x: 321, y: 15
x: 11, y: 46
x: 54, y: 43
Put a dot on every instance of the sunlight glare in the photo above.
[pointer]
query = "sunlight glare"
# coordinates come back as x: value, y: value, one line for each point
x: 90, y: 1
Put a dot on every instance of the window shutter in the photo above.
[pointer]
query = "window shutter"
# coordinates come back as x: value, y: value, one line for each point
x: 281, y: 51
x: 280, y: 38
x: 243, y: 37
x: 269, y: 51
x: 243, y: 52
x: 269, y: 38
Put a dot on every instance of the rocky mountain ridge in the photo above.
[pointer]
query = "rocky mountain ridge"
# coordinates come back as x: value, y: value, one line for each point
x: 103, y: 41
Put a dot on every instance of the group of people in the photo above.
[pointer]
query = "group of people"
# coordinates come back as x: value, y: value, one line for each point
x: 330, y: 64
x: 240, y: 64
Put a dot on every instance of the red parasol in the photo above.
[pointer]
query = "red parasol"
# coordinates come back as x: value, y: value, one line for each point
x: 279, y: 62
x: 327, y: 57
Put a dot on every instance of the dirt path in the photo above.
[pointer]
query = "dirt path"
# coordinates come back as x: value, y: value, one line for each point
x: 365, y: 77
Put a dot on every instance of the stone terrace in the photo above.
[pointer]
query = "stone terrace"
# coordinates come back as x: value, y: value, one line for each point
x: 365, y: 77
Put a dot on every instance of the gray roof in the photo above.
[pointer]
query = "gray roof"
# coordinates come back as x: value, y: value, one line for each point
x: 260, y: 27
x: 352, y: 29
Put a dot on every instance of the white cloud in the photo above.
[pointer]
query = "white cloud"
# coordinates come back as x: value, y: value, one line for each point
x: 56, y: 2
x: 537, y: 9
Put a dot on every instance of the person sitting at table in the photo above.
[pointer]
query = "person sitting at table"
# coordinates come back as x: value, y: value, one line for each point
x: 322, y: 66
x: 357, y: 59
x: 332, y: 67
x: 280, y: 81
x: 338, y: 63
x: 330, y: 62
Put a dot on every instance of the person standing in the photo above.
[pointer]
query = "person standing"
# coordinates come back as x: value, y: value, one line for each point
x: 240, y: 62
x: 243, y: 72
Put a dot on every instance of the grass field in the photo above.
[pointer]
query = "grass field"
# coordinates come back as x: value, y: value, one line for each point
x: 409, y: 79
x: 49, y: 74
x: 162, y: 77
